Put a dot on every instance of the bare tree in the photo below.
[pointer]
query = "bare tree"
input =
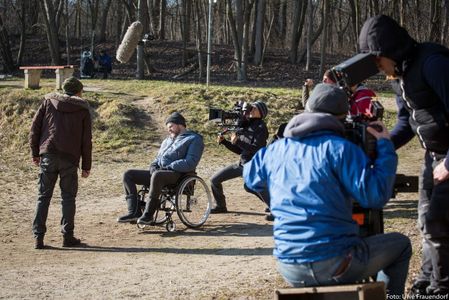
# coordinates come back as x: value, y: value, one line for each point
x: 299, y: 12
x: 50, y: 17
x: 8, y: 63
x: 260, y: 19
x: 103, y: 21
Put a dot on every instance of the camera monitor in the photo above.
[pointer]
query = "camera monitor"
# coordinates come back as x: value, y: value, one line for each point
x: 356, y: 69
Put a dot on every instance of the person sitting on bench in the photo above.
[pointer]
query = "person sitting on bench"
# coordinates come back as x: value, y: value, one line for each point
x: 179, y: 153
x: 312, y: 190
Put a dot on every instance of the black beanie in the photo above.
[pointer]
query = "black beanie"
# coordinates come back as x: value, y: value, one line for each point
x: 176, y: 118
x: 262, y: 107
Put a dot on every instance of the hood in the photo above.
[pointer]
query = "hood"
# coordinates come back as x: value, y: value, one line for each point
x: 308, y: 122
x: 383, y: 36
x: 66, y: 103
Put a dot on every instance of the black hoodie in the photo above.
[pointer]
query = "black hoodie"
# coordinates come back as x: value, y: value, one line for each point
x: 383, y: 36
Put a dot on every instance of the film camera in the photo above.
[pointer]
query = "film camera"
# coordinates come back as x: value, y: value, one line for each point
x: 350, y: 73
x: 233, y: 119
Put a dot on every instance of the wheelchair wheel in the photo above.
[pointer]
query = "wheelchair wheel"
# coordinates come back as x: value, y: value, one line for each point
x: 193, y: 201
x: 166, y: 205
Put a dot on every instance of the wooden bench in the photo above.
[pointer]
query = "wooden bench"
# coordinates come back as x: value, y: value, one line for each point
x: 33, y: 75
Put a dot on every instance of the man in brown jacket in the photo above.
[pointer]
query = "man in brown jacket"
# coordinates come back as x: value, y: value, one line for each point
x: 60, y: 135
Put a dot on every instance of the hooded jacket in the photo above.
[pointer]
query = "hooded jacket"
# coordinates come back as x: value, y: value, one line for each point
x: 181, y: 154
x: 62, y: 125
x: 423, y: 87
x: 312, y: 186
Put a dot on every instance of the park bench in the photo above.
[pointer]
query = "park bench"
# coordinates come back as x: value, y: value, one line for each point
x: 33, y: 75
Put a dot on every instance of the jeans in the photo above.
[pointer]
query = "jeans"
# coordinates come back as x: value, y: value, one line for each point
x: 51, y: 166
x: 156, y: 181
x: 433, y: 222
x: 386, y: 255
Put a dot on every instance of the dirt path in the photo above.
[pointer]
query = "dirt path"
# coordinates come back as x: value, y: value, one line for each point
x: 229, y: 258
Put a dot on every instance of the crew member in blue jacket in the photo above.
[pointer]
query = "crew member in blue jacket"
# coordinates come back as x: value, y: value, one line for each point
x: 180, y: 153
x: 422, y: 86
x: 311, y: 190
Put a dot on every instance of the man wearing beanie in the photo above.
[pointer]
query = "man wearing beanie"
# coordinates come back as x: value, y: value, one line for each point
x: 313, y: 175
x: 179, y: 153
x: 421, y: 83
x: 246, y: 141
x: 61, y: 135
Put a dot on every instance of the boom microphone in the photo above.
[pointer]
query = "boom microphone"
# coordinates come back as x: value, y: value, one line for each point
x: 129, y: 42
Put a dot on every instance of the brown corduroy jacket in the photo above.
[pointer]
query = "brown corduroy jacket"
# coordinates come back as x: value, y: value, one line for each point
x: 63, y: 125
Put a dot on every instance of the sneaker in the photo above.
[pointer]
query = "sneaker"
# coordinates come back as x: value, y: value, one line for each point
x: 71, y: 241
x: 39, y: 243
x: 269, y: 217
x: 219, y: 210
x: 146, y: 219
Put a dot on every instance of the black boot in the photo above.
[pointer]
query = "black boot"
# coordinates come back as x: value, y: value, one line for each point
x: 39, y: 242
x: 70, y: 241
x: 134, y: 210
x: 150, y: 209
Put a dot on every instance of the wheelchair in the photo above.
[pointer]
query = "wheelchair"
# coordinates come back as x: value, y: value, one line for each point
x: 190, y: 198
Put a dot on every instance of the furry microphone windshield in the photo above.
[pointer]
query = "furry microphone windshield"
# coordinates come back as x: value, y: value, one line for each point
x: 129, y: 42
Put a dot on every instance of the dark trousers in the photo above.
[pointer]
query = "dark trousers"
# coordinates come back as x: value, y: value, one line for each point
x: 51, y: 166
x: 156, y: 181
x: 433, y: 219
x: 228, y: 173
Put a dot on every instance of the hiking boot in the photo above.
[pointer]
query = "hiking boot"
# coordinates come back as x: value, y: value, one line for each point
x: 71, y: 241
x: 146, y: 219
x: 39, y: 243
x: 269, y: 217
x: 219, y: 210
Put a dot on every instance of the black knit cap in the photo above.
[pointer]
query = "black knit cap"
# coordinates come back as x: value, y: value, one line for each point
x: 72, y: 86
x: 176, y: 118
x: 262, y: 107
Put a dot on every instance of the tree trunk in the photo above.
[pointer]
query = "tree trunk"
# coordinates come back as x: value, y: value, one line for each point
x: 23, y: 27
x: 260, y: 18
x: 185, y: 24
x: 8, y: 62
x: 103, y: 21
x: 198, y: 40
x: 435, y: 19
x: 52, y: 30
x: 324, y: 37
x: 163, y: 8
x: 309, y: 36
x: 299, y: 11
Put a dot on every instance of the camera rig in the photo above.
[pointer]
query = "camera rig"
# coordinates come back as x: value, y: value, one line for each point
x: 231, y: 120
x: 348, y: 74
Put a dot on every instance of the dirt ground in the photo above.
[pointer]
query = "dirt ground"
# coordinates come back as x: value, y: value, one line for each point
x: 230, y: 257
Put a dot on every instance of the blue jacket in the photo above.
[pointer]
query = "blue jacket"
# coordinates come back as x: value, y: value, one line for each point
x: 312, y: 176
x: 181, y: 154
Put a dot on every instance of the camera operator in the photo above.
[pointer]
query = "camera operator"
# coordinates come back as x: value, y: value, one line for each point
x: 245, y: 141
x: 319, y: 177
x: 359, y: 101
x: 422, y: 87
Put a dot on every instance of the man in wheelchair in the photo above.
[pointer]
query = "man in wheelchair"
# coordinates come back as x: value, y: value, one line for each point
x: 179, y: 153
